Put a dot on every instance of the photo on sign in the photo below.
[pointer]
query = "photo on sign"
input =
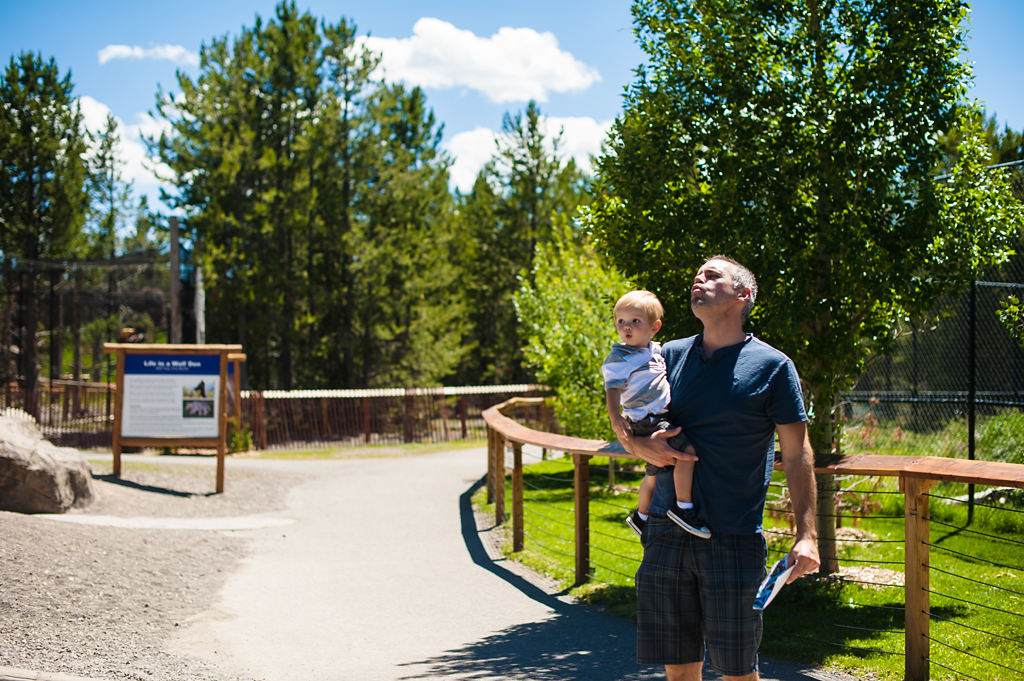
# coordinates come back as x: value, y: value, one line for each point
x: 197, y: 401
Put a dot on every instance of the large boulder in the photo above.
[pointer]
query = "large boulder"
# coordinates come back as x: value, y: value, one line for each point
x: 35, y: 475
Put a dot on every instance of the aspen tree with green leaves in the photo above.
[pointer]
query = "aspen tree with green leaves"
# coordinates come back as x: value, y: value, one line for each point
x: 801, y: 139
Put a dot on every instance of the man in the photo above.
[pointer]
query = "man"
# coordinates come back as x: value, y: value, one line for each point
x: 730, y: 394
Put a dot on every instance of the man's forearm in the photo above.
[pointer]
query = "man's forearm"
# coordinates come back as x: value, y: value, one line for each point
x: 798, y: 462
x: 803, y: 491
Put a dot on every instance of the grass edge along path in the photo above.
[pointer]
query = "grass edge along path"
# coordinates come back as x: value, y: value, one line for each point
x: 854, y: 623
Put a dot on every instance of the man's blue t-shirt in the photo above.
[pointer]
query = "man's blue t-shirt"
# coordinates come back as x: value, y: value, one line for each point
x: 728, y: 405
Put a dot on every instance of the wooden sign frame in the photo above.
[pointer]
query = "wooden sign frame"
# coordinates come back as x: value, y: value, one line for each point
x: 227, y: 353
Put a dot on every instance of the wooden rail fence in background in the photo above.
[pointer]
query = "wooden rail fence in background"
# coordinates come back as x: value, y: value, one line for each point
x: 916, y: 475
x: 81, y: 414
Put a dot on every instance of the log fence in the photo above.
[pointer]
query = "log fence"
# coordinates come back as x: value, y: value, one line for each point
x: 916, y: 475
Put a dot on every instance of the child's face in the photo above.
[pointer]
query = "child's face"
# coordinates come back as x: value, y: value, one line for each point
x: 634, y: 328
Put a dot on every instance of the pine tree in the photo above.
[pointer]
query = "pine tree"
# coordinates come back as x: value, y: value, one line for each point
x: 509, y: 211
x: 42, y: 173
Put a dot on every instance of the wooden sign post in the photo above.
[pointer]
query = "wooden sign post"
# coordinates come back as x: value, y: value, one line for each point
x: 173, y: 396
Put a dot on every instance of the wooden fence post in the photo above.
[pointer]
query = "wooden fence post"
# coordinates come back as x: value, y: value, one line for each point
x: 491, y: 435
x: 499, y: 478
x: 366, y: 420
x: 444, y: 413
x: 545, y: 426
x: 407, y: 417
x: 462, y: 415
x: 517, y: 497
x: 260, y: 417
x: 916, y: 572
x: 581, y: 493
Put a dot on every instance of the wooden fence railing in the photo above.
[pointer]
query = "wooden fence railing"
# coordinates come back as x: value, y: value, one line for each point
x: 916, y: 474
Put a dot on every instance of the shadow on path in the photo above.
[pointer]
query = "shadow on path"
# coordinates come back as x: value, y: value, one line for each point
x: 150, y: 488
x: 576, y: 643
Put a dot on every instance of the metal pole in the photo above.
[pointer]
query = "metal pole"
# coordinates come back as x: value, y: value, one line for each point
x: 175, y: 283
x: 972, y: 378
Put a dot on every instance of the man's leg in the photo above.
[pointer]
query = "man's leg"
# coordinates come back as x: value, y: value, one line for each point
x: 683, y: 672
x: 669, y: 621
x: 692, y: 672
x: 732, y: 567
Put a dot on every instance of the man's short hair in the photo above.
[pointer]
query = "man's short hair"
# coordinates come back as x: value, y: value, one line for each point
x: 743, y: 278
x: 644, y: 300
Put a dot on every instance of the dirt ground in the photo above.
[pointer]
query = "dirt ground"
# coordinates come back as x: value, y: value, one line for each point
x: 98, y: 601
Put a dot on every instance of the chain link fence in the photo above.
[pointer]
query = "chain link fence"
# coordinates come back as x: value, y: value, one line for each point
x: 953, y: 384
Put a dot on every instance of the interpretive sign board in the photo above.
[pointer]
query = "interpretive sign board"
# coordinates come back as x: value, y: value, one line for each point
x: 172, y: 396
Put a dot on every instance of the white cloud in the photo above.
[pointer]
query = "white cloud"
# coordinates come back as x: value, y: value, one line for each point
x: 513, y: 65
x: 471, y: 150
x: 174, y: 53
x: 581, y: 138
x: 131, y: 150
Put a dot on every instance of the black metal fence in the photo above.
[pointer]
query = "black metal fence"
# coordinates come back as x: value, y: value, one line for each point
x: 953, y: 385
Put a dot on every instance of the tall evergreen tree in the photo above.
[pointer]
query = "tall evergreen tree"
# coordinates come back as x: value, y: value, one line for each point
x: 110, y: 208
x: 510, y: 210
x: 317, y: 201
x: 410, y: 302
x: 42, y: 172
x: 344, y: 140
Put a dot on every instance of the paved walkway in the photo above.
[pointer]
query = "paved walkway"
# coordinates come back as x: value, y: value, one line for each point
x: 384, y: 575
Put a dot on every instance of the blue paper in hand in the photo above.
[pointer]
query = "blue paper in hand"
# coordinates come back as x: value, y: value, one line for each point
x: 771, y: 585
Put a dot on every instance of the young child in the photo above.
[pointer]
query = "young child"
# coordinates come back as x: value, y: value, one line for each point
x: 635, y: 379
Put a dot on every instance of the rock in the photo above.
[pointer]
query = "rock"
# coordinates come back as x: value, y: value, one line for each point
x: 35, y: 475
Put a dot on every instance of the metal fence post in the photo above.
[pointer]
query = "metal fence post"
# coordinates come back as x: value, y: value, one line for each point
x: 916, y: 576
x: 517, y: 497
x: 581, y: 490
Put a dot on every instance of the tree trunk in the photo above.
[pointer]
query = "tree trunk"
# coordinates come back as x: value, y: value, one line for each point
x: 822, y: 440
x: 95, y: 371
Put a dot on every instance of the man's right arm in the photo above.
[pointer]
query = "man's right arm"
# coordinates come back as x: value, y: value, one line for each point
x: 656, y: 450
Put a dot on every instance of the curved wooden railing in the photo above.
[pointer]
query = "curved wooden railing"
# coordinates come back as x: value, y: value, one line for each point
x: 917, y: 474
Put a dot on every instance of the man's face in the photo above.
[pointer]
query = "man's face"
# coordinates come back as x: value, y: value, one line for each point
x: 713, y: 288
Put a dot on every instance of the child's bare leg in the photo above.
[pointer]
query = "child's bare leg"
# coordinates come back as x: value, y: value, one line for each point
x: 682, y: 477
x: 646, y: 493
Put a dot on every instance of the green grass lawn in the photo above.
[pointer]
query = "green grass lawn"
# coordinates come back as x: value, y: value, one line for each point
x: 976, y: 576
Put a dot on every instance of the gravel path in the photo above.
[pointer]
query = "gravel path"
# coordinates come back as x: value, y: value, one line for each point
x: 99, y: 601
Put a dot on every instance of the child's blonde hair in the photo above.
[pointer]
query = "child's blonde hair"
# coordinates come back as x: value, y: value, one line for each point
x: 644, y: 300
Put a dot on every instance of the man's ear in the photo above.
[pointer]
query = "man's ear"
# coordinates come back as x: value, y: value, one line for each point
x: 656, y: 326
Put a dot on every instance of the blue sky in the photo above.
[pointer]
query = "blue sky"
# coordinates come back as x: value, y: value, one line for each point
x: 573, y: 57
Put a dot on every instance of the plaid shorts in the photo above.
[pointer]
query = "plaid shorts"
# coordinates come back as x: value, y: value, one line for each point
x: 689, y: 590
